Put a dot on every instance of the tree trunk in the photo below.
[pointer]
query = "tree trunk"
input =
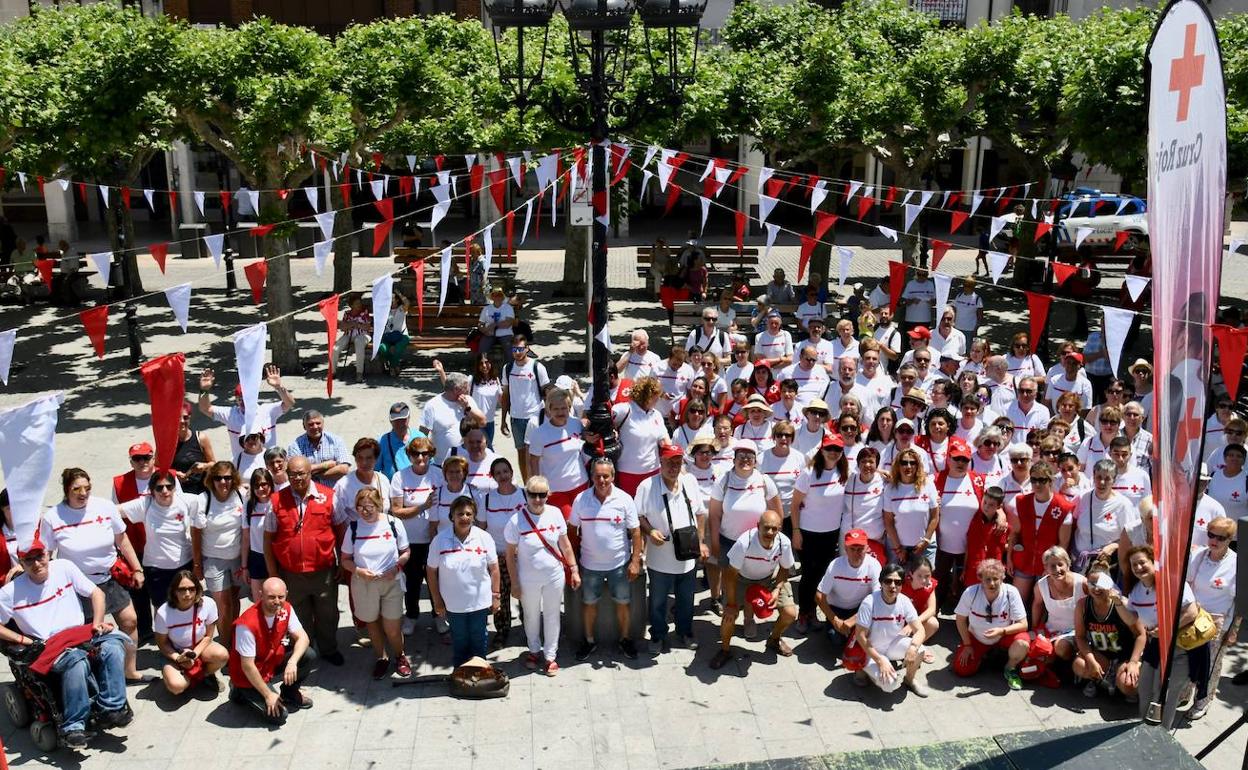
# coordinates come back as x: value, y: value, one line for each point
x: 278, y: 295
x: 575, y: 254
x: 342, y: 244
x: 119, y: 223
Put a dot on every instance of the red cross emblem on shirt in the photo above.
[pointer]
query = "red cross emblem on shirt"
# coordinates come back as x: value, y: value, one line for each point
x: 1135, y: 489
x: 385, y: 535
x: 1200, y: 522
x: 100, y: 519
x: 1235, y: 495
x: 1109, y: 516
x: 551, y: 528
x: 923, y: 497
x: 617, y: 519
x: 1187, y: 72
x: 178, y: 517
x: 1217, y: 582
x: 478, y: 550
x: 60, y: 592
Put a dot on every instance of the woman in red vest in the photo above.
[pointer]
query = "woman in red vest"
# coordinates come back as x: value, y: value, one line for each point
x: 1039, y: 520
x: 261, y: 654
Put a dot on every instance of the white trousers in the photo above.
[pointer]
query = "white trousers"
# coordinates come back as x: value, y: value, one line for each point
x: 361, y: 346
x: 541, y: 603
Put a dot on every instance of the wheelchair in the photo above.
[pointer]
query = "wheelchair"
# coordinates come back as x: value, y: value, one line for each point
x: 32, y: 700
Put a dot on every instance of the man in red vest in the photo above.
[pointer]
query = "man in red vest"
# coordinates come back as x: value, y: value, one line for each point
x: 131, y: 486
x: 301, y: 547
x: 270, y: 644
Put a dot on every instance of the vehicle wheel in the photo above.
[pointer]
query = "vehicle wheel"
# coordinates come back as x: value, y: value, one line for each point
x: 45, y: 737
x: 1136, y: 243
x: 16, y: 706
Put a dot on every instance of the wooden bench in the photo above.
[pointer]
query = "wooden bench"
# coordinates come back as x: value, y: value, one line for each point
x: 721, y: 262
x: 502, y: 266
x: 449, y: 328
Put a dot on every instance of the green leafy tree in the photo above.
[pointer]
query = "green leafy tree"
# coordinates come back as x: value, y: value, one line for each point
x: 1233, y: 34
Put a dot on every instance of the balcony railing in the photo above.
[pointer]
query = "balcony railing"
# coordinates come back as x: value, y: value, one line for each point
x: 948, y: 11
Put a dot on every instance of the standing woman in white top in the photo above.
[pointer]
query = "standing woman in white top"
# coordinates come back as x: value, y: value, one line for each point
x: 864, y: 502
x: 1143, y: 602
x: 411, y: 497
x: 642, y: 431
x: 1211, y: 574
x: 217, y: 545
x: 484, y: 387
x: 818, y: 505
x: 374, y: 550
x: 911, y: 509
x: 1054, y: 601
x: 260, y: 491
x: 1229, y: 486
x: 555, y: 452
x: 164, y: 514
x: 394, y: 339
x: 89, y: 532
x: 184, y: 627
x: 498, y: 505
x: 1020, y: 361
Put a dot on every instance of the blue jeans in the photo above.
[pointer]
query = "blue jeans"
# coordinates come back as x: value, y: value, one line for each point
x: 468, y: 635
x: 489, y: 434
x: 84, y: 679
x: 661, y: 585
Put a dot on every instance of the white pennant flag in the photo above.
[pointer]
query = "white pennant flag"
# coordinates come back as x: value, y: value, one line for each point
x: 945, y: 200
x: 1026, y: 189
x: 359, y: 178
x: 320, y: 253
x: 546, y: 168
x: 470, y: 161
x: 604, y: 337
x: 179, y: 299
x: 1117, y: 324
x: 148, y: 195
x: 765, y: 205
x: 379, y: 188
x: 665, y: 174
x: 997, y: 260
x: 103, y: 262
x: 818, y: 195
x: 326, y: 220
x: 976, y: 199
x: 528, y: 214
x: 64, y: 183
x: 710, y: 165
x: 7, y: 341
x: 645, y: 182
x: 1122, y: 204
x: 721, y: 176
x: 445, y: 259
x: 869, y: 192
x: 516, y: 174
x: 651, y: 151
x: 772, y: 230
x: 906, y: 198
x: 912, y: 213
x: 21, y: 177
x: 1000, y: 192
x: 444, y: 177
x: 1135, y: 285
x: 487, y: 238
x: 943, y: 282
x: 383, y: 296
x: 924, y: 198
x: 411, y: 163
x: 1033, y: 209
x: 441, y: 207
x: 335, y: 168
x: 253, y: 197
x: 198, y: 195
x: 27, y: 449
x: 528, y: 155
x: 764, y: 174
x: 103, y: 194
x: 706, y: 209
x: 1235, y: 244
x: 847, y: 256
x: 887, y: 232
x: 216, y: 247
x: 249, y: 345
x: 314, y: 197
x: 1080, y: 234
x: 995, y: 228
x: 854, y: 187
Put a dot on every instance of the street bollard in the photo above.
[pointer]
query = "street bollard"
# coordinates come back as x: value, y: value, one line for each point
x: 132, y: 333
x: 231, y: 283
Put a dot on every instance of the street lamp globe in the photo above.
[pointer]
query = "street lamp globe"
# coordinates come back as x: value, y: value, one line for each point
x: 598, y: 15
x: 666, y: 14
x: 524, y: 16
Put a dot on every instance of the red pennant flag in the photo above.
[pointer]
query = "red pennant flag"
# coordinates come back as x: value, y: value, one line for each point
x: 774, y: 187
x: 803, y: 259
x: 173, y: 201
x: 896, y: 281
x: 225, y: 199
x: 259, y: 231
x: 382, y: 230
x: 741, y: 219
x: 673, y: 192
x: 710, y: 186
x: 1038, y: 311
x: 438, y: 160
x: 953, y: 200
x: 1232, y: 347
x: 39, y: 181
x: 938, y: 251
x: 346, y: 172
x: 82, y: 191
x: 345, y: 189
x: 956, y: 220
x: 377, y: 158
x: 890, y: 197
x: 407, y: 186
x: 1100, y: 205
x: 1053, y: 205
x: 125, y: 197
x: 329, y: 311
x: 320, y: 161
x: 1042, y: 228
x: 165, y: 378
x: 160, y: 252
x: 510, y: 227
x: 622, y: 170
x: 419, y: 269
x: 864, y: 205
x: 737, y: 174
x: 283, y: 194
x: 257, y: 272
x: 44, y: 266
x: 2, y: 175
x: 599, y: 200
x: 476, y: 175
x: 1120, y: 238
x: 96, y: 321
x: 1062, y: 271
x: 823, y: 221
x: 1004, y: 205
x: 498, y: 187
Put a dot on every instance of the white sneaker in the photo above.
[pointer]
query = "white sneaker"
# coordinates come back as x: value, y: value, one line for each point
x: 409, y: 626
x: 916, y: 687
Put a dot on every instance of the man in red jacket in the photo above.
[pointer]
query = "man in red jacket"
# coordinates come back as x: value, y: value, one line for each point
x: 301, y: 541
x: 270, y: 643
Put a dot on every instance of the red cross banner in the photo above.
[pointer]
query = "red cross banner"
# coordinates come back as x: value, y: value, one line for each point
x: 1186, y: 208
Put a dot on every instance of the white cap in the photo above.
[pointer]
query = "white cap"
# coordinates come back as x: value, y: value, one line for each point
x: 1104, y: 581
x: 564, y: 382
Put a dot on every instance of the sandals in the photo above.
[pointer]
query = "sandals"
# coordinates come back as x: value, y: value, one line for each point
x: 780, y: 647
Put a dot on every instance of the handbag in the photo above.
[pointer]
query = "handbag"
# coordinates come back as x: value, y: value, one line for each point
x: 476, y: 679
x: 567, y: 568
x: 121, y: 574
x: 684, y: 540
x: 1200, y: 631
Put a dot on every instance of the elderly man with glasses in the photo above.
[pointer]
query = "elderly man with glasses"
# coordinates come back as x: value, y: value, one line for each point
x: 709, y: 337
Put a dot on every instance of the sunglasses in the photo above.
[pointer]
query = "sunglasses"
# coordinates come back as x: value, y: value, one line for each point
x: 163, y: 487
x: 264, y: 484
x: 228, y: 478
x: 992, y: 443
x: 1219, y: 538
x: 704, y: 452
x: 1036, y: 480
x: 833, y: 448
x: 422, y: 454
x: 710, y: 318
x: 907, y: 463
x: 518, y: 349
x: 960, y: 459
x: 1019, y: 460
x: 185, y: 589
x: 140, y: 458
x: 891, y: 582
x: 538, y: 495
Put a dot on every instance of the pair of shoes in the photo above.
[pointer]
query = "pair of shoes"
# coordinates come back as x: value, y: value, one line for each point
x: 1013, y: 679
x: 550, y: 668
x: 655, y: 646
x: 915, y: 686
x: 381, y: 667
x: 1188, y: 700
x: 720, y: 659
x: 77, y: 739
x: 1089, y: 689
x: 304, y: 702
x: 119, y: 718
x: 334, y: 658
x: 780, y: 647
x: 403, y: 669
x: 586, y: 649
x: 717, y: 607
x: 861, y: 679
x: 687, y: 641
x: 409, y: 626
x: 1197, y: 712
x: 532, y: 660
x: 628, y: 648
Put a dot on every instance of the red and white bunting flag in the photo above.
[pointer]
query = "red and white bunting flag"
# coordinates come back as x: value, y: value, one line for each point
x: 445, y: 260
x: 706, y: 210
x: 160, y: 252
x: 997, y: 261
x: 179, y: 299
x: 7, y: 340
x: 329, y: 311
x: 95, y: 321
x: 383, y: 296
x: 1081, y: 234
x: 256, y: 273
x: 818, y: 194
x: 847, y: 256
x: 1135, y: 285
x: 249, y: 355
x: 942, y: 282
x: 320, y: 254
x: 887, y: 232
x: 216, y: 247
x: 995, y: 227
x: 911, y: 213
x: 772, y: 230
x: 27, y: 451
x: 1117, y: 324
x: 103, y: 262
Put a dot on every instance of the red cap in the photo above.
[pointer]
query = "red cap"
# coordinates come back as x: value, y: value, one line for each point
x: 759, y: 598
x: 186, y: 408
x: 959, y: 448
x: 832, y: 439
x: 1077, y: 356
x: 762, y: 362
x: 238, y: 390
x: 671, y: 450
x: 856, y: 537
x: 920, y: 332
x: 141, y: 449
x: 36, y: 546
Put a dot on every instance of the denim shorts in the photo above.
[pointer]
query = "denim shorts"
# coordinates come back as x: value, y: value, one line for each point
x: 616, y: 580
x: 520, y: 431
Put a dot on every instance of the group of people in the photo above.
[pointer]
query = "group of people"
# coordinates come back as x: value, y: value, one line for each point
x: 848, y: 486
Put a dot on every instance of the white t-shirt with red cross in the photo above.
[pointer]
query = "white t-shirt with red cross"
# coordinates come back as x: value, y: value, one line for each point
x: 673, y: 383
x: 640, y: 433
x: 43, y: 610
x: 744, y: 500
x: 558, y: 449
x: 535, y: 561
x: 811, y: 383
x: 958, y: 505
x: 753, y: 561
x: 375, y: 546
x: 347, y: 487
x: 185, y: 628
x: 783, y: 472
x: 768, y: 345
x: 1098, y: 522
x: 885, y: 622
x: 864, y: 506
x: 221, y: 522
x: 1134, y: 484
x: 823, y: 502
x: 911, y: 509
x: 982, y: 614
x: 604, y: 527
x: 411, y: 489
x: 168, y: 529
x: 845, y: 585
x: 496, y: 510
x: 86, y: 536
x: 464, y: 568
x: 1213, y: 582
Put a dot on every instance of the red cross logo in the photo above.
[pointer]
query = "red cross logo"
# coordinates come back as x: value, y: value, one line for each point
x: 1217, y: 582
x: 1235, y: 495
x: 1109, y: 516
x: 617, y: 519
x: 385, y: 535
x: 1135, y: 489
x: 1187, y: 72
x: 1189, y: 425
x: 99, y: 519
x: 1200, y: 522
x: 178, y: 517
x: 478, y: 550
x: 923, y: 498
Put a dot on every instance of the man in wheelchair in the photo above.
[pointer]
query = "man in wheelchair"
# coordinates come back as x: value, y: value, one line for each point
x: 44, y: 604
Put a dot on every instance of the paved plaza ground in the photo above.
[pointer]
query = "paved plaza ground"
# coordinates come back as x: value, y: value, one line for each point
x: 668, y: 712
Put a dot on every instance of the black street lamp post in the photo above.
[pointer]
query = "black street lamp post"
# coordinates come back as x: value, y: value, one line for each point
x: 598, y: 40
